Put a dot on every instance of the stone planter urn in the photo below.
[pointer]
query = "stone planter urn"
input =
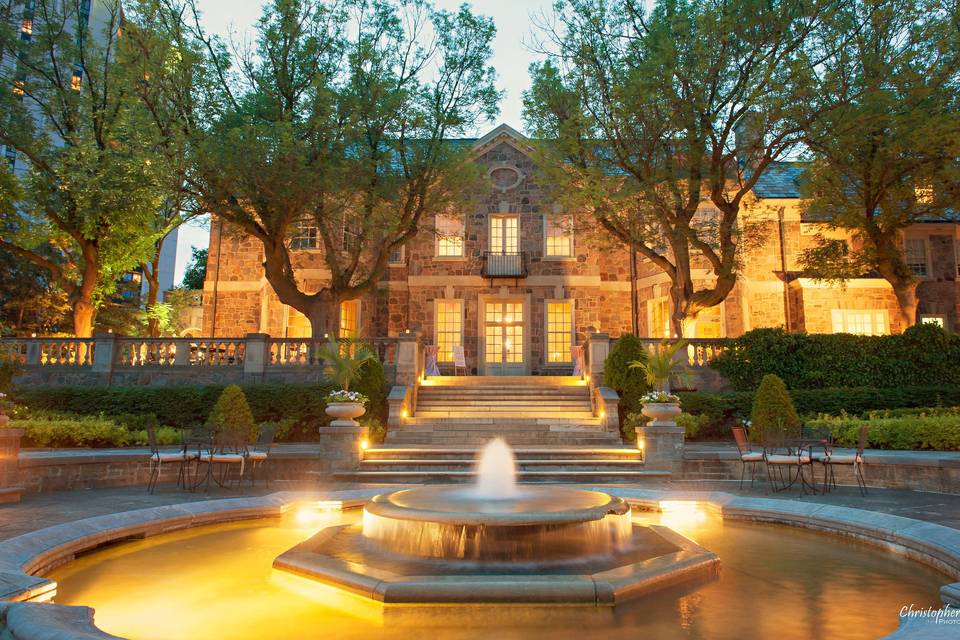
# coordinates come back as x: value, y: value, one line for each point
x: 662, y: 413
x: 344, y: 414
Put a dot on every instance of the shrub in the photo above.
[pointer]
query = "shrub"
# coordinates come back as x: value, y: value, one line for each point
x: 65, y: 431
x: 631, y: 425
x: 920, y: 356
x: 692, y: 424
x: 629, y: 382
x: 376, y: 430
x: 772, y: 408
x: 939, y: 432
x: 232, y: 413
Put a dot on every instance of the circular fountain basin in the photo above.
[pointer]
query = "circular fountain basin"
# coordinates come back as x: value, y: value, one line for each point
x: 535, y: 524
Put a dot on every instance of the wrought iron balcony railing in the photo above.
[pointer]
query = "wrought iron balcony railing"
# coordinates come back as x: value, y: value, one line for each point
x: 504, y: 264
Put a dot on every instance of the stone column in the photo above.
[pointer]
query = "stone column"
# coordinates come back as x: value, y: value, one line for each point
x: 10, y: 488
x: 341, y: 448
x: 408, y: 359
x: 255, y: 355
x: 181, y: 358
x: 663, y: 442
x: 598, y: 348
x: 104, y: 355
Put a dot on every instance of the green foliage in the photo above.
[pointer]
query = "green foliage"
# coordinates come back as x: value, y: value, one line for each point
x: 631, y: 425
x: 376, y: 430
x: 232, y: 414
x: 196, y: 270
x: 619, y: 374
x: 663, y: 365
x: 62, y: 430
x: 937, y: 432
x: 344, y: 360
x: 692, y: 424
x: 922, y: 355
x: 773, y: 409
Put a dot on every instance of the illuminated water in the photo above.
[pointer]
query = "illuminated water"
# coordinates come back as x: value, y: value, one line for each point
x: 217, y: 583
x: 496, y: 471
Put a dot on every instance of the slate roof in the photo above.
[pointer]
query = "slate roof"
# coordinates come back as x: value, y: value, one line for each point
x: 780, y: 180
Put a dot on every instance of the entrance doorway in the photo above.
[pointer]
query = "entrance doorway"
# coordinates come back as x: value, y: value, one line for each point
x: 503, y: 338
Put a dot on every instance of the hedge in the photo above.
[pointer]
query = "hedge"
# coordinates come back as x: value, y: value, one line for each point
x: 723, y: 409
x: 937, y: 432
x: 922, y: 355
x: 85, y: 431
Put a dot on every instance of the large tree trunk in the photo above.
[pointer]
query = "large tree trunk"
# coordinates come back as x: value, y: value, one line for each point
x: 84, y: 310
x: 153, y: 288
x: 891, y: 265
x: 324, y: 316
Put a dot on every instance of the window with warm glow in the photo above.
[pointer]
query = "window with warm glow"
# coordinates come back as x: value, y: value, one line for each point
x: 860, y: 322
x: 940, y: 321
x: 26, y: 26
x: 449, y: 237
x: 504, y: 234
x: 559, y: 331
x: 18, y: 88
x: 304, y: 235
x: 924, y: 193
x: 708, y: 323
x: 559, y: 236
x: 349, y: 317
x: 658, y: 316
x: 915, y: 254
x: 76, y: 81
x: 297, y: 324
x: 449, y: 328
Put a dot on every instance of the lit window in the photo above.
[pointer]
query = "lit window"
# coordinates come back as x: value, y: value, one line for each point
x: 26, y: 26
x: 658, y: 316
x: 559, y: 235
x: 708, y: 323
x: 940, y: 321
x: 449, y: 328
x: 559, y: 331
x: 304, y: 235
x: 396, y: 255
x: 297, y: 324
x: 18, y: 88
x: 349, y: 317
x: 915, y: 253
x: 76, y: 80
x: 924, y: 193
x: 449, y: 237
x: 860, y: 322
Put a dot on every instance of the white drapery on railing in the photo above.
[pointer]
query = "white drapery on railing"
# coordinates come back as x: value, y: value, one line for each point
x: 430, y: 361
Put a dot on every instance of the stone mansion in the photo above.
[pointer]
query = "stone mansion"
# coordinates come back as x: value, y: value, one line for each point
x: 517, y: 286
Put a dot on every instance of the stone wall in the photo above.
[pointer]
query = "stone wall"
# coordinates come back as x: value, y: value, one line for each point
x: 10, y: 482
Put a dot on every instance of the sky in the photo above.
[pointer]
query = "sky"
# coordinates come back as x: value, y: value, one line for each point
x: 511, y: 57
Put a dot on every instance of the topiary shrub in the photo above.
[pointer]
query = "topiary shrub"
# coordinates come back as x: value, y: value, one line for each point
x: 773, y: 409
x: 629, y: 382
x: 232, y: 413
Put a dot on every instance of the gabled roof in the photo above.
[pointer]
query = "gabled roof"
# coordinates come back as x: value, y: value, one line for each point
x: 780, y: 180
x: 506, y: 134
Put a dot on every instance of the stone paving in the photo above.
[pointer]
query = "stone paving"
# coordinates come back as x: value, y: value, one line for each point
x: 43, y: 510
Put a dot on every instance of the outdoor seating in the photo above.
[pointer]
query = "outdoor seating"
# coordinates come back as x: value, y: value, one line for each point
x: 258, y: 455
x: 229, y: 452
x: 786, y: 457
x: 830, y: 458
x: 183, y: 457
x: 747, y: 454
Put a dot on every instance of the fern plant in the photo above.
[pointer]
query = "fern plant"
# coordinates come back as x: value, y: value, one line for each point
x: 662, y: 365
x: 345, y: 359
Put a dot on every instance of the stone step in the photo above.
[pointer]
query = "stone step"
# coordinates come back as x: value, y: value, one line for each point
x: 578, y: 476
x: 388, y: 452
x: 503, y: 381
x: 530, y: 465
x: 519, y: 392
x: 513, y: 439
x: 498, y: 413
x: 500, y: 402
x: 501, y: 421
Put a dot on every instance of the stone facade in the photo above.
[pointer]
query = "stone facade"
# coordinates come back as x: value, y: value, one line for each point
x: 595, y: 278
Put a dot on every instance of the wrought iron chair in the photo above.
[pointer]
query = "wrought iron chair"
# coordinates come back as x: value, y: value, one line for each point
x: 747, y: 454
x: 855, y: 460
x: 781, y: 451
x: 258, y: 455
x: 157, y: 457
x: 229, y: 450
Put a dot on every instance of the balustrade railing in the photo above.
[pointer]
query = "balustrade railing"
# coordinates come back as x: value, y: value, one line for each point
x: 306, y: 351
x: 700, y: 351
x: 139, y: 352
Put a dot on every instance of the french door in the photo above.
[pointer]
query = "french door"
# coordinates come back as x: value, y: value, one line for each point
x: 503, y: 348
x: 504, y: 234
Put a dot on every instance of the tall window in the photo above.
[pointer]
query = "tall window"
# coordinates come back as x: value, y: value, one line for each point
x: 349, y: 318
x: 76, y: 80
x: 559, y: 331
x: 449, y: 328
x: 861, y: 322
x: 297, y: 324
x: 559, y: 236
x: 449, y: 237
x: 304, y: 235
x: 396, y: 255
x: 915, y: 253
x: 658, y: 317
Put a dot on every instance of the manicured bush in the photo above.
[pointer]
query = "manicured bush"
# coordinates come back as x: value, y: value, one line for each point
x: 922, y: 355
x: 692, y: 424
x: 232, y: 414
x: 937, y: 432
x: 85, y: 431
x: 630, y: 426
x: 617, y: 374
x: 773, y: 410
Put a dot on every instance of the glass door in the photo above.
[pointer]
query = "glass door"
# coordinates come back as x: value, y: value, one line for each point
x: 504, y: 234
x: 503, y: 351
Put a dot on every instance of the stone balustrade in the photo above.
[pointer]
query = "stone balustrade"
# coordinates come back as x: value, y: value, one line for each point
x: 113, y: 359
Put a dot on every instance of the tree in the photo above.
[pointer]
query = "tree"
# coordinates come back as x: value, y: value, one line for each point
x: 90, y: 184
x: 885, y: 155
x: 196, y: 271
x: 650, y: 114
x: 29, y: 301
x: 333, y: 128
x: 773, y: 411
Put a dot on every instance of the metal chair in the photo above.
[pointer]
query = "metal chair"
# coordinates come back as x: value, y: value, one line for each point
x: 831, y: 458
x: 229, y: 450
x: 158, y: 457
x: 747, y: 454
x: 781, y: 451
x: 257, y: 456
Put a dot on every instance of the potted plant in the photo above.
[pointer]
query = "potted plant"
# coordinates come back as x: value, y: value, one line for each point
x: 659, y: 368
x: 344, y: 361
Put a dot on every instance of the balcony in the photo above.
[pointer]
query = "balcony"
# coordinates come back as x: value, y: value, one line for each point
x: 504, y: 264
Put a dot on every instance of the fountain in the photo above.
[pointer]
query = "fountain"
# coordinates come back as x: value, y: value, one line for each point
x: 497, y: 541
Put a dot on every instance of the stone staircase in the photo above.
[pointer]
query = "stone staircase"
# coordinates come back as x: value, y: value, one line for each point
x: 395, y: 464
x: 548, y: 419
